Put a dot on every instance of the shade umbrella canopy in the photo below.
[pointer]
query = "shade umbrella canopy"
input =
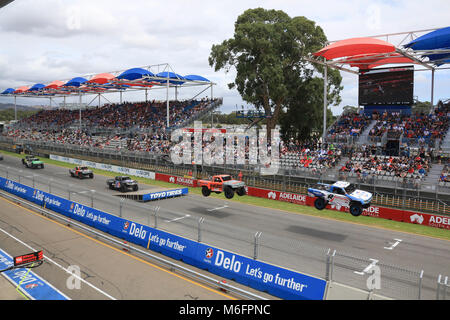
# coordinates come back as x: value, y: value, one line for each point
x: 355, y: 46
x: 194, y: 77
x: 438, y: 39
x: 21, y: 89
x: 101, y: 78
x: 8, y: 91
x: 75, y: 82
x: 134, y: 74
x: 36, y: 87
x: 171, y: 75
x: 54, y: 85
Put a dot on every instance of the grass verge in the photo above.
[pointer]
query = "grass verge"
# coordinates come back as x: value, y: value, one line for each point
x: 285, y: 206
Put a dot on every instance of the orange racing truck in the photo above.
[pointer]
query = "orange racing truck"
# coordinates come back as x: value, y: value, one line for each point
x: 222, y: 183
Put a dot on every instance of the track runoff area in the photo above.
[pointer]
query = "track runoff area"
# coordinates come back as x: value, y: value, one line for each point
x: 24, y: 231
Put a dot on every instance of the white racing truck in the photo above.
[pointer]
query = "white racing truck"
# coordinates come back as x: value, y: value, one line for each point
x: 340, y: 194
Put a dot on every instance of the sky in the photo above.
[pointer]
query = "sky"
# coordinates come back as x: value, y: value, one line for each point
x: 47, y: 40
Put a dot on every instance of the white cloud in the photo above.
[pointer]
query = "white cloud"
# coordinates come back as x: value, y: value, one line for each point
x: 57, y: 39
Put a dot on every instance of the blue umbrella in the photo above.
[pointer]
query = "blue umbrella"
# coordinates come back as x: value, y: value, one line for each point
x: 135, y: 73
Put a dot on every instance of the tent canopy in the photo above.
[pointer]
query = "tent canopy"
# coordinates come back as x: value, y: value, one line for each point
x: 355, y: 47
x: 8, y: 91
x: 134, y: 74
x: 75, y: 82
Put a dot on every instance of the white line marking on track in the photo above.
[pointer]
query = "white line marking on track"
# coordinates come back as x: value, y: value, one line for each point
x: 218, y: 208
x: 61, y: 267
x: 393, y: 245
x: 176, y: 219
x: 374, y: 262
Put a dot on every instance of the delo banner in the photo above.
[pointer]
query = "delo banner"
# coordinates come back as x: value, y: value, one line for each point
x: 262, y: 276
x: 165, y: 194
x: 32, y: 285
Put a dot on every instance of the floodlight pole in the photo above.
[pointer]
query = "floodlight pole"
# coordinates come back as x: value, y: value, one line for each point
x: 15, y: 108
x: 325, y: 102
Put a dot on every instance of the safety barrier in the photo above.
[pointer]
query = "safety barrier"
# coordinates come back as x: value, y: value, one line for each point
x: 281, y: 282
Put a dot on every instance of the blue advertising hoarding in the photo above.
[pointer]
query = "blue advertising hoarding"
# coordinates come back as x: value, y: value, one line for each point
x: 281, y: 282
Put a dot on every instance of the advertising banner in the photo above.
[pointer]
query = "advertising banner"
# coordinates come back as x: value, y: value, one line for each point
x: 165, y: 194
x: 31, y: 284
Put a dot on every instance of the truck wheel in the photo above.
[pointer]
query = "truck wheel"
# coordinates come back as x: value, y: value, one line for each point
x: 111, y: 186
x: 356, y: 209
x: 123, y: 188
x: 72, y: 175
x: 91, y: 175
x: 229, y: 192
x: 241, y: 191
x: 320, y: 203
x: 42, y: 166
x: 206, y: 191
x: 135, y: 188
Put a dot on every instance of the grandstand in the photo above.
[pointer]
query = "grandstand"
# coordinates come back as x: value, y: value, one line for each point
x: 387, y: 146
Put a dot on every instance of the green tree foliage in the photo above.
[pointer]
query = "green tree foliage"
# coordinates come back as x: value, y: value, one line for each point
x: 268, y: 51
x: 8, y: 114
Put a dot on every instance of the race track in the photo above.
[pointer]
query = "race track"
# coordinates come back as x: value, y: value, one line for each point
x: 296, y: 241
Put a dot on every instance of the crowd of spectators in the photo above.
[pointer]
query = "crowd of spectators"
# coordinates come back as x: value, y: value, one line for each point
x: 417, y: 128
x: 140, y: 115
x: 445, y: 174
x: 364, y: 163
x: 351, y: 124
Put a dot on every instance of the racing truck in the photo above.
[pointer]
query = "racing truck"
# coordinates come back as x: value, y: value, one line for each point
x: 32, y: 162
x: 222, y: 183
x: 122, y: 183
x: 81, y: 172
x: 340, y: 194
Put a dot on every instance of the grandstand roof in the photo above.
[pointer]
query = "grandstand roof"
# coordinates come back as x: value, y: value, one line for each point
x: 430, y: 50
x: 118, y: 81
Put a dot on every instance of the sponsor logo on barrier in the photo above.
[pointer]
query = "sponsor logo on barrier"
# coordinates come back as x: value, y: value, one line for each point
x: 227, y: 263
x: 172, y: 179
x: 209, y: 253
x: 272, y: 195
x: 52, y: 201
x: 440, y: 222
x: 416, y: 218
x: 38, y: 195
x: 372, y: 211
x: 12, y: 186
x: 137, y: 232
x: 292, y: 197
x: 71, y: 206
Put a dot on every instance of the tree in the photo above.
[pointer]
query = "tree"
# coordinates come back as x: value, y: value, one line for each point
x: 268, y: 51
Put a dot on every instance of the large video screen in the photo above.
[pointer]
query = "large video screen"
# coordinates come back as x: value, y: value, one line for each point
x: 386, y: 86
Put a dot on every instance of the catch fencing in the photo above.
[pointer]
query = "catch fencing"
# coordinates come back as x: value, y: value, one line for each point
x: 334, y: 265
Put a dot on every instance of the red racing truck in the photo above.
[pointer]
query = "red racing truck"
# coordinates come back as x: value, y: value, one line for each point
x: 222, y: 183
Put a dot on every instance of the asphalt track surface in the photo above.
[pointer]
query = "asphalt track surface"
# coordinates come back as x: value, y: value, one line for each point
x: 291, y: 240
